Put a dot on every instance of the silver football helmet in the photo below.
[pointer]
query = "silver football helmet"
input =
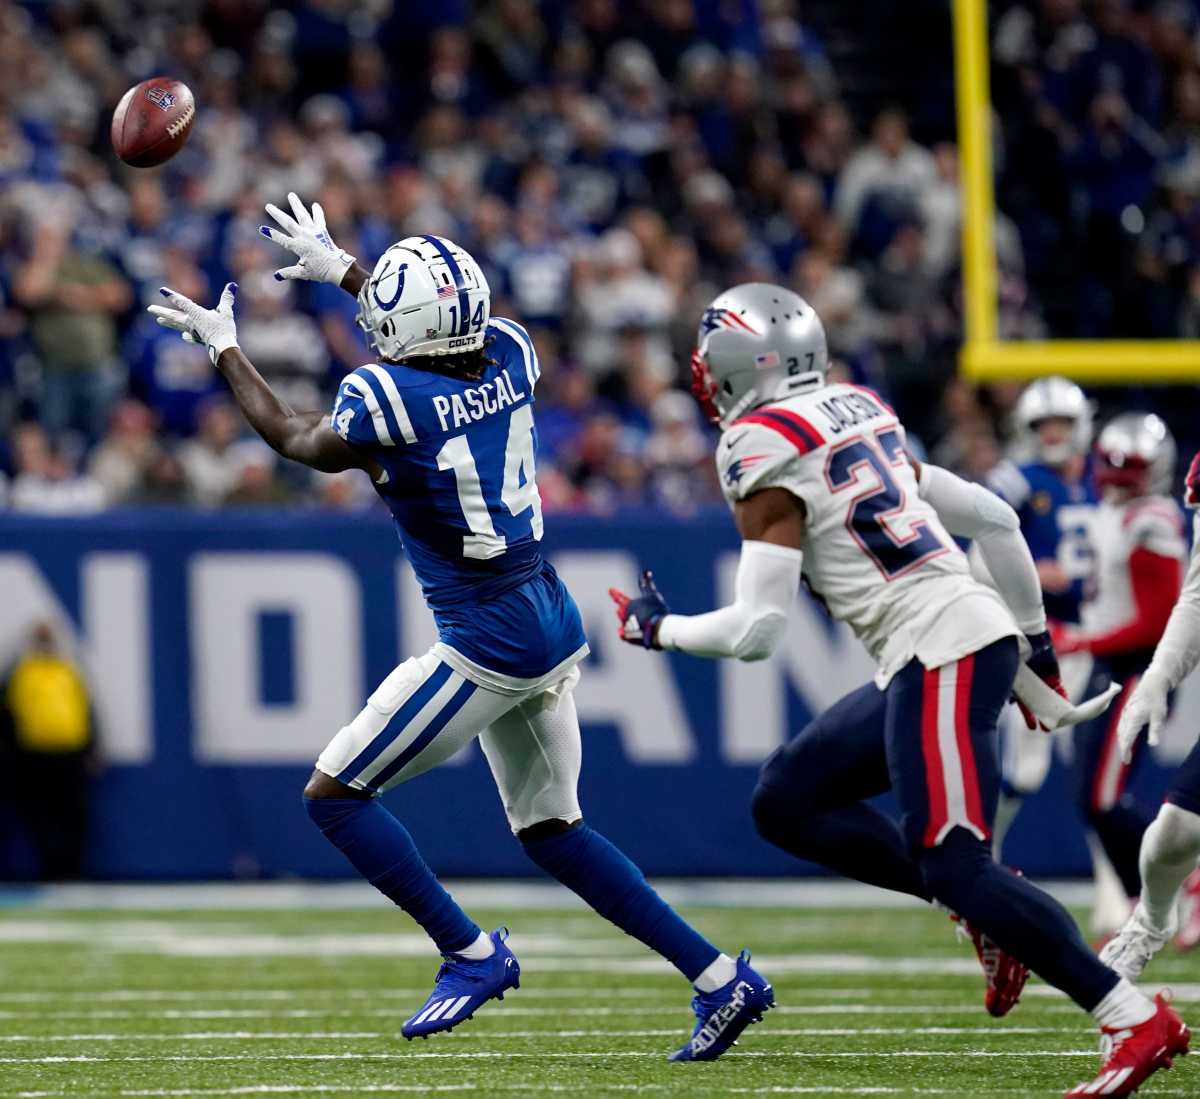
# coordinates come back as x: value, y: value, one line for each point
x: 1053, y: 399
x: 1137, y: 454
x: 755, y: 343
x: 426, y: 296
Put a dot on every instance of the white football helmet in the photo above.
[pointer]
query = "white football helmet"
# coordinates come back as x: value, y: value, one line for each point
x: 755, y: 342
x: 1050, y: 399
x: 1137, y: 454
x: 426, y: 296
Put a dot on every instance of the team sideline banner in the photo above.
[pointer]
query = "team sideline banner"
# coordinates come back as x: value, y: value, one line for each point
x: 225, y: 650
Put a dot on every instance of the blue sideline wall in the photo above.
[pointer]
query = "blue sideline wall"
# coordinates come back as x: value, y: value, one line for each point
x: 226, y: 649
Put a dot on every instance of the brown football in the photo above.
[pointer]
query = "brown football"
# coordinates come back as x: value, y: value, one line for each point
x: 152, y: 121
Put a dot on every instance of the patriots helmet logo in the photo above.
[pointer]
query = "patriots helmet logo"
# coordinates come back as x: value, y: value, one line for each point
x: 714, y: 318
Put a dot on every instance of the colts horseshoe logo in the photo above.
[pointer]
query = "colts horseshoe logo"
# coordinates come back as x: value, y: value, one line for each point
x: 386, y: 305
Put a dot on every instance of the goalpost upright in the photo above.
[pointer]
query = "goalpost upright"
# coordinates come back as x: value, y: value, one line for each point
x: 984, y: 356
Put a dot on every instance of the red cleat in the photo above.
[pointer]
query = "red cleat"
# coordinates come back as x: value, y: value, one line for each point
x: 1134, y: 1055
x: 1005, y: 975
x: 1189, y: 913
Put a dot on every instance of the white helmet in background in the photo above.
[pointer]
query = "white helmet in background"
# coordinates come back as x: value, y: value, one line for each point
x: 754, y: 342
x: 1137, y: 454
x: 426, y: 296
x: 1054, y: 399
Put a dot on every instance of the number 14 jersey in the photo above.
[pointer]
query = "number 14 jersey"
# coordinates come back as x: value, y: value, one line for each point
x: 457, y: 457
x: 875, y: 553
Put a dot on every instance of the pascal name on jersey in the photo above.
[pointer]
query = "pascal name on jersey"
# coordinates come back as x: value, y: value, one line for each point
x: 474, y: 404
x: 847, y: 410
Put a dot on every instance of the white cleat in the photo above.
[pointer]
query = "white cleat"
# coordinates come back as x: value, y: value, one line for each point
x: 1129, y: 951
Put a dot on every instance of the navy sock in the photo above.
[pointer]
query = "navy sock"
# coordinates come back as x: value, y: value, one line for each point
x: 587, y: 864
x: 1017, y: 916
x: 383, y: 852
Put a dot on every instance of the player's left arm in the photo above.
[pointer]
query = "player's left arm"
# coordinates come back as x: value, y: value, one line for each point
x: 972, y: 511
x: 304, y: 437
x: 771, y: 523
x: 305, y: 234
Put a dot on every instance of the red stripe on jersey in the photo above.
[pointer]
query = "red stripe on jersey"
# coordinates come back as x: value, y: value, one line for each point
x: 935, y: 781
x: 966, y: 753
x: 796, y: 429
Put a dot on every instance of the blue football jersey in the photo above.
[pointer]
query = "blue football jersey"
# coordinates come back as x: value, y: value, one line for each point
x: 458, y: 476
x: 1056, y: 520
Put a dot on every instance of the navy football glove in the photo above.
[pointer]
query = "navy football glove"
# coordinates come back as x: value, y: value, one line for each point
x: 1044, y: 664
x: 640, y: 617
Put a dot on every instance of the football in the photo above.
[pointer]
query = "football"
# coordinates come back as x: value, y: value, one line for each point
x: 152, y: 121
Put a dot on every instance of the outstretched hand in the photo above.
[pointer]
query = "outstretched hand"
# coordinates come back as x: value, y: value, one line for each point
x: 214, y: 328
x: 640, y: 616
x: 305, y: 235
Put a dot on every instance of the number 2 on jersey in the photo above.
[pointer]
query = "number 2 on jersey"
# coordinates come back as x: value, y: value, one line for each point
x: 483, y: 543
x: 870, y: 513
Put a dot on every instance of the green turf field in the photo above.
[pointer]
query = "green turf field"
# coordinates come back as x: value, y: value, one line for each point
x: 138, y: 1002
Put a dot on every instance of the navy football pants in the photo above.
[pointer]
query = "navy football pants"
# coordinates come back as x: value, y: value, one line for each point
x: 931, y: 738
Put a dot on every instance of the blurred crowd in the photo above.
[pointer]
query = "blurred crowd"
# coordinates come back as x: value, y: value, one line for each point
x: 612, y: 165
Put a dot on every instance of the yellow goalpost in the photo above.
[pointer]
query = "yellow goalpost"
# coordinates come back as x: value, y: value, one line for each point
x: 984, y: 356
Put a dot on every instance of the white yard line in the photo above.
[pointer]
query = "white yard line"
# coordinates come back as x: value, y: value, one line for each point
x: 493, y: 1054
x: 486, y: 1035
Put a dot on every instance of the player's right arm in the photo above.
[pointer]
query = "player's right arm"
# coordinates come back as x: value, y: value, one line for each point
x: 1178, y: 651
x: 754, y: 463
x: 771, y: 523
x: 305, y: 437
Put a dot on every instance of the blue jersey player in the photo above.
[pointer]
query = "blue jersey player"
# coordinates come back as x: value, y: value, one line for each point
x: 443, y: 424
x: 1054, y: 495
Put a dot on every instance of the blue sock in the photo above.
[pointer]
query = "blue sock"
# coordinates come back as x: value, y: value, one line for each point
x: 587, y: 864
x: 383, y: 852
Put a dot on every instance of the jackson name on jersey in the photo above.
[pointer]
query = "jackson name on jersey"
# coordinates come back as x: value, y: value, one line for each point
x: 875, y: 553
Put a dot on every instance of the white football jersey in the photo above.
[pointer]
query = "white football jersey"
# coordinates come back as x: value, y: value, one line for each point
x: 1153, y: 523
x: 875, y: 553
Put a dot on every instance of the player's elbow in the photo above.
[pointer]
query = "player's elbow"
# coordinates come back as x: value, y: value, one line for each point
x: 758, y: 640
x: 995, y: 514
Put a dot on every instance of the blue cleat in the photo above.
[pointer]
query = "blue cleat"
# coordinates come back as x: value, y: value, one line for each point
x: 723, y: 1015
x: 463, y: 986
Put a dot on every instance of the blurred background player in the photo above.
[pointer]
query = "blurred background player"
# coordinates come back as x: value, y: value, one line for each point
x: 1140, y: 554
x: 1171, y: 845
x: 1051, y: 487
x: 443, y: 424
x: 822, y: 488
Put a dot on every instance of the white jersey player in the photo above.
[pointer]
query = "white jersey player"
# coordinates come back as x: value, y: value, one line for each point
x: 1171, y: 844
x: 822, y: 487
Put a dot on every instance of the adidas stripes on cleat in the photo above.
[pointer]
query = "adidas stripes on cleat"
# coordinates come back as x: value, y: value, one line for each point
x: 463, y: 986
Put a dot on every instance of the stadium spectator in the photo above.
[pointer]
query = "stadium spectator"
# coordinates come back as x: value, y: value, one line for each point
x: 45, y: 477
x: 73, y: 297
x: 121, y: 461
x: 546, y: 138
x: 48, y: 732
x: 209, y: 460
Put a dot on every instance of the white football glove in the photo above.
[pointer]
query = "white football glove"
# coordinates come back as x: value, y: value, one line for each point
x: 215, y: 328
x: 308, y: 240
x: 1146, y: 706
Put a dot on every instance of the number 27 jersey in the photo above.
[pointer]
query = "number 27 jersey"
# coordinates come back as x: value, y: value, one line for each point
x: 875, y: 553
